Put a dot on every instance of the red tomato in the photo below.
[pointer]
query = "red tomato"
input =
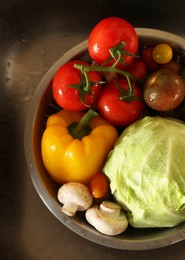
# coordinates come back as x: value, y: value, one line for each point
x: 120, y: 112
x: 99, y: 185
x: 67, y: 96
x: 108, y: 33
x: 138, y: 69
x: 147, y: 58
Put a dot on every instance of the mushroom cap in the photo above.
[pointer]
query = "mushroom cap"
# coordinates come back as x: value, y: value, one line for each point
x: 109, y: 224
x: 74, y: 197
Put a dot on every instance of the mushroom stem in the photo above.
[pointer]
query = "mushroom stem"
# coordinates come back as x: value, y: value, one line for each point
x: 69, y: 208
x: 110, y: 209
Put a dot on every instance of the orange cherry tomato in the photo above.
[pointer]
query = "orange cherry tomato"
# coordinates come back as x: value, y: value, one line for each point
x: 99, y: 185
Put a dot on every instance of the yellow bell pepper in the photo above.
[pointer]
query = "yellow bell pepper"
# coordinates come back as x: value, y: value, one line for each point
x: 75, y: 145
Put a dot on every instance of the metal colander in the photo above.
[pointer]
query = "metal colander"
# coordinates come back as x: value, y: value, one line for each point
x: 42, y: 105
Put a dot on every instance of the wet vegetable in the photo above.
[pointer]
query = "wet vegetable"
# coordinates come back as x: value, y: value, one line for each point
x: 162, y: 53
x: 113, y: 34
x: 99, y: 185
x: 70, y: 90
x: 147, y: 172
x: 74, y: 146
x: 164, y: 90
x: 118, y: 107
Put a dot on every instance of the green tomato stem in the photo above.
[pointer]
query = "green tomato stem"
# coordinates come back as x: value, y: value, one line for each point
x: 86, y: 69
x: 116, y: 53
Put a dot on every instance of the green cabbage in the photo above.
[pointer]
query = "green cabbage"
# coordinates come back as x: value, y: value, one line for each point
x: 146, y: 170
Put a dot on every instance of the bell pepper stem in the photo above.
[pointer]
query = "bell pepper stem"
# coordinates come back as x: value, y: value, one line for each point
x: 81, y: 128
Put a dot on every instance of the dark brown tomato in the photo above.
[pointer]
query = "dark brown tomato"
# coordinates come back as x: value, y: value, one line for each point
x: 164, y: 90
x: 174, y: 65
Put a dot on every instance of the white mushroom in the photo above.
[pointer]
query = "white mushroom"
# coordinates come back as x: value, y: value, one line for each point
x: 74, y: 197
x: 107, y: 218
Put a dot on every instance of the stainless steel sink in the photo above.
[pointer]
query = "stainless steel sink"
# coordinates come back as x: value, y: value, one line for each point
x: 33, y: 35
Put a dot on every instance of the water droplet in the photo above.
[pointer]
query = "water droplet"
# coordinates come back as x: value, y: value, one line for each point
x: 26, y: 87
x: 8, y: 64
x: 82, y: 234
x: 23, y: 40
x: 8, y: 80
x: 43, y: 52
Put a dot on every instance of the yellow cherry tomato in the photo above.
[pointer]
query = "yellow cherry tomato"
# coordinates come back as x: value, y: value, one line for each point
x: 162, y: 53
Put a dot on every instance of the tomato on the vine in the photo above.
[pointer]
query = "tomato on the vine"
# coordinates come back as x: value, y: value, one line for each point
x: 113, y: 107
x: 109, y: 33
x: 69, y: 87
